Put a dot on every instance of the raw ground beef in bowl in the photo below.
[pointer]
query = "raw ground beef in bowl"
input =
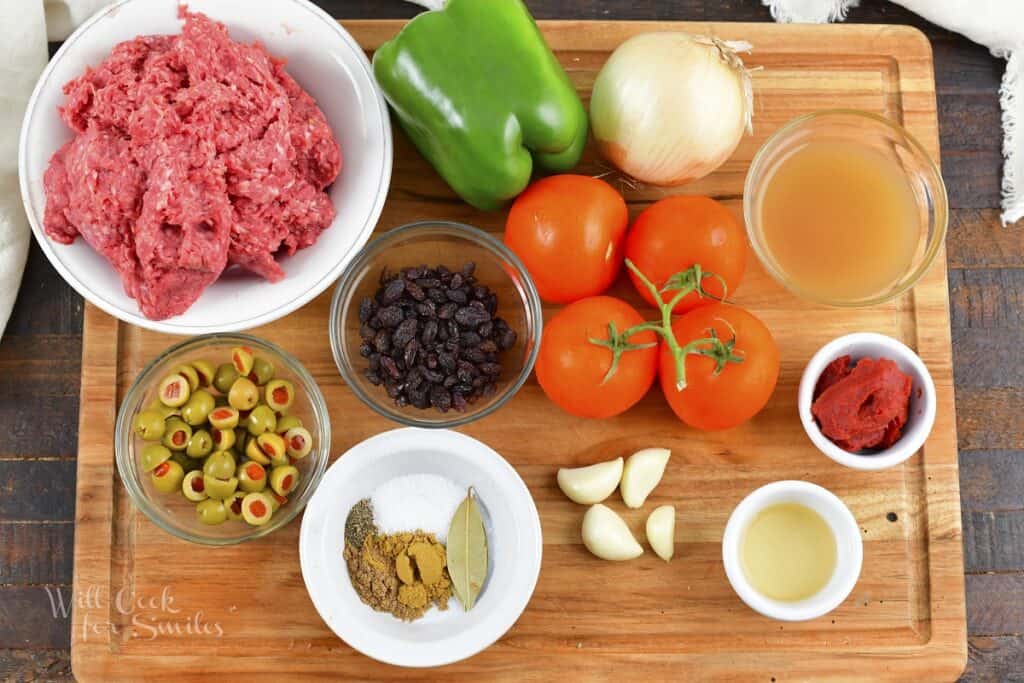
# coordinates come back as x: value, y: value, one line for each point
x: 192, y: 153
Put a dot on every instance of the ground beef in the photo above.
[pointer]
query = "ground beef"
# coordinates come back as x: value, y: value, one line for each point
x: 191, y: 153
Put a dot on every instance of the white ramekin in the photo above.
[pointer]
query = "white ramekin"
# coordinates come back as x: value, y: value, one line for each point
x: 922, y: 398
x: 849, y: 549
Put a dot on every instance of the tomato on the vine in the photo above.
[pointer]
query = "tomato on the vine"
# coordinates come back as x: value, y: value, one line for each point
x: 568, y: 230
x: 730, y: 371
x: 574, y: 371
x: 676, y: 233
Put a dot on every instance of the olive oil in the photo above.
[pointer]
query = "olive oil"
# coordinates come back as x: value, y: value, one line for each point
x: 840, y: 220
x: 788, y: 552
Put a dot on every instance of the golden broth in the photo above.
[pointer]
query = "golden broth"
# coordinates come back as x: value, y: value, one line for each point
x: 840, y: 220
x: 788, y: 552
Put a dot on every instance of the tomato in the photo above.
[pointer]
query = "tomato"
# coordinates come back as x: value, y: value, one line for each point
x: 678, y: 232
x: 571, y: 369
x: 568, y: 230
x: 740, y: 390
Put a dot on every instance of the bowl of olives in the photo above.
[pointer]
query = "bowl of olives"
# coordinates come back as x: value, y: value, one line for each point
x: 222, y: 438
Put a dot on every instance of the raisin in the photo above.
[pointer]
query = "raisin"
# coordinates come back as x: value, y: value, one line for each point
x: 392, y: 291
x: 390, y: 316
x: 415, y: 291
x: 441, y: 399
x: 405, y: 332
x: 366, y: 309
x: 365, y: 350
x: 372, y: 377
x: 389, y: 366
x: 429, y: 332
x: 411, y: 350
x: 471, y: 316
x: 426, y: 309
x: 457, y: 295
x: 447, y: 310
x: 468, y: 268
x: 488, y: 346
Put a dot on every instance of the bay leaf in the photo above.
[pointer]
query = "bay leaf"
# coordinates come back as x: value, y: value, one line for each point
x: 467, y: 551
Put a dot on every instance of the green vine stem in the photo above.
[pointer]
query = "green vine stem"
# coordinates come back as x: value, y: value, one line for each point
x: 683, y: 284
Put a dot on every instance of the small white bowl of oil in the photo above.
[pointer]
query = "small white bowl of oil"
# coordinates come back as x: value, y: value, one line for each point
x: 792, y: 551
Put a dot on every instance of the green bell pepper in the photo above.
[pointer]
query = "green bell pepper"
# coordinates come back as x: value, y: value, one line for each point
x: 480, y: 94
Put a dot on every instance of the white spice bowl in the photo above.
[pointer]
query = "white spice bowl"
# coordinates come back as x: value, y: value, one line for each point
x: 920, y: 419
x: 849, y: 549
x: 513, y: 537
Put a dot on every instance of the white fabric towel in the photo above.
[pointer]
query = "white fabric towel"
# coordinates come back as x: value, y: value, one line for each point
x: 996, y: 24
x: 24, y: 28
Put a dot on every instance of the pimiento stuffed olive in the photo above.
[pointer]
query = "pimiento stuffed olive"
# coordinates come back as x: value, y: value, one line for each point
x: 221, y: 436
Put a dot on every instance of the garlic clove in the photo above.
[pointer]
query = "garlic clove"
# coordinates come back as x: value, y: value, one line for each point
x: 591, y: 484
x: 606, y: 535
x: 661, y: 531
x: 641, y: 473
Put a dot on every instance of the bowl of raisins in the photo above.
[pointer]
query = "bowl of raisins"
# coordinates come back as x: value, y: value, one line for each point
x: 435, y: 324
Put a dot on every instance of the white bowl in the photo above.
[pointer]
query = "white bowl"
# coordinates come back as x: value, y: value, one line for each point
x: 849, y: 549
x: 513, y: 537
x: 323, y: 58
x: 920, y: 419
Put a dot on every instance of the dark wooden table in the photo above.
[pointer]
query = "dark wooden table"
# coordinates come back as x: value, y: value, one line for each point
x: 40, y: 367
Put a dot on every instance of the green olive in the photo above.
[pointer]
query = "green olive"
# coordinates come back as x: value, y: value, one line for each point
x: 189, y: 373
x: 148, y: 425
x: 176, y: 434
x: 200, y: 445
x: 257, y: 508
x: 286, y: 422
x: 284, y: 479
x: 279, y: 394
x: 174, y: 390
x: 165, y: 411
x: 152, y: 455
x: 273, y: 446
x: 224, y: 417
x: 204, y: 370
x: 276, y: 501
x: 220, y: 464
x: 253, y: 452
x: 261, y: 420
x: 251, y: 477
x: 193, y: 487
x: 244, y: 395
x: 199, y: 406
x: 262, y: 370
x: 167, y: 476
x: 224, y: 377
x: 211, y: 512
x: 233, y: 504
x: 242, y: 359
x: 188, y: 464
x: 299, y: 442
x: 219, y: 488
x: 223, y: 439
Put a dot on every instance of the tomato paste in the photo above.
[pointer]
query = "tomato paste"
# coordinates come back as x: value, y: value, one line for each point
x: 862, y: 405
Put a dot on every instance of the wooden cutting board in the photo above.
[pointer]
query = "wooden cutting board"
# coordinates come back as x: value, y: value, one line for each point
x: 151, y: 607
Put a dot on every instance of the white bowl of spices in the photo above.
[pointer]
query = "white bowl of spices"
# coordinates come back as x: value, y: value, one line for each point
x: 397, y: 494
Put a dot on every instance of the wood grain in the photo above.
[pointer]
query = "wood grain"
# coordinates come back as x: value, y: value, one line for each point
x: 906, y: 616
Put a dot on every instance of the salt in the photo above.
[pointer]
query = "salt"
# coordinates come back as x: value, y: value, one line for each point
x: 417, y: 501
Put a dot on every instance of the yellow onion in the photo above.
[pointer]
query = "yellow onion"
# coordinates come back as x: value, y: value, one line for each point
x: 670, y: 107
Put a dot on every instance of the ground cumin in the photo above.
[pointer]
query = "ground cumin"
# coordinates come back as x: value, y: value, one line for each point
x: 402, y: 573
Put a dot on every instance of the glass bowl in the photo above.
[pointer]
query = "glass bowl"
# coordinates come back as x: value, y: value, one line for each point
x: 437, y: 243
x: 173, y: 512
x: 880, y: 134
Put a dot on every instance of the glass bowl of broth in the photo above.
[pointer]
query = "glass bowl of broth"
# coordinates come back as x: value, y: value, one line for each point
x: 845, y: 208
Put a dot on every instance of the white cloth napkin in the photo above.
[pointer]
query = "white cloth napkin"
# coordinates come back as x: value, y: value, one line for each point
x: 24, y: 26
x: 996, y: 24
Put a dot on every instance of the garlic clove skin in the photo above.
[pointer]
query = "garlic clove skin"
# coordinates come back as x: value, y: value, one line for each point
x: 591, y: 484
x: 606, y: 535
x: 641, y: 473
x: 661, y: 531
